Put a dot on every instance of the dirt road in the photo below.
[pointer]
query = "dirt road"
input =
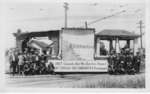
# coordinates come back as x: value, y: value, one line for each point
x: 75, y: 80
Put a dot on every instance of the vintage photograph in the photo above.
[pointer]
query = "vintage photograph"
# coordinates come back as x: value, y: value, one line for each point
x: 75, y: 44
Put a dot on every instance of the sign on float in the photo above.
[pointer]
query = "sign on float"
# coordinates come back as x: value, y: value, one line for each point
x: 80, y: 66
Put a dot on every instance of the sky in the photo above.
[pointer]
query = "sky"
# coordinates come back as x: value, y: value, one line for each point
x: 41, y: 15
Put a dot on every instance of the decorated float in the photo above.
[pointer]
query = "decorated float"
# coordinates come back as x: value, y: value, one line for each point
x: 75, y: 49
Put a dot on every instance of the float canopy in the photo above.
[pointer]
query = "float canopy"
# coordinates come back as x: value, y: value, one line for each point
x: 111, y: 34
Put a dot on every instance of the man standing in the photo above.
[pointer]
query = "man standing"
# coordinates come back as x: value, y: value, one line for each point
x: 20, y: 63
x: 137, y: 62
x: 51, y: 68
x: 13, y: 62
x: 37, y: 62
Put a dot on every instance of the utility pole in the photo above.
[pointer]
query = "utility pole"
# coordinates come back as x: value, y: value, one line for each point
x: 141, y: 33
x: 66, y: 9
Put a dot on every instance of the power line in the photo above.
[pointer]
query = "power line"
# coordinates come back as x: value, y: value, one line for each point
x: 100, y: 19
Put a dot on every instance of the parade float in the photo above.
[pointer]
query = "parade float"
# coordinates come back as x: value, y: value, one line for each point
x: 74, y: 49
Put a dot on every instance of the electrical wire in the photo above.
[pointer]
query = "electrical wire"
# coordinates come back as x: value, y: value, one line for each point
x: 100, y: 19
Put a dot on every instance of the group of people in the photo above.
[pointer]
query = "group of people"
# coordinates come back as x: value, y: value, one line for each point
x: 124, y: 62
x: 30, y: 62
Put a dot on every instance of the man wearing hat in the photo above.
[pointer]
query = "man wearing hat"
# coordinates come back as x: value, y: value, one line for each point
x: 137, y: 62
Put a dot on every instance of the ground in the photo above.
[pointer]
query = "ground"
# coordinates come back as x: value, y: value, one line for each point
x: 78, y: 81
x: 99, y: 80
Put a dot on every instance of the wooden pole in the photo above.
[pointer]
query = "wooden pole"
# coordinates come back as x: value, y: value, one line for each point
x: 141, y: 26
x: 110, y: 45
x: 133, y: 46
x: 66, y: 8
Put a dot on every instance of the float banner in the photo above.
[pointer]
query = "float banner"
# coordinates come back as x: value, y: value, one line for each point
x: 80, y: 66
x: 78, y: 44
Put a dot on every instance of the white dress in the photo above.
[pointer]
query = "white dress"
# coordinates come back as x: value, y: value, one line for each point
x: 20, y: 60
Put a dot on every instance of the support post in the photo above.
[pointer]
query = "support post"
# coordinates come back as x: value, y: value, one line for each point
x: 128, y: 43
x: 134, y: 46
x: 117, y: 46
x: 110, y: 45
x: 97, y: 47
x: 60, y: 45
